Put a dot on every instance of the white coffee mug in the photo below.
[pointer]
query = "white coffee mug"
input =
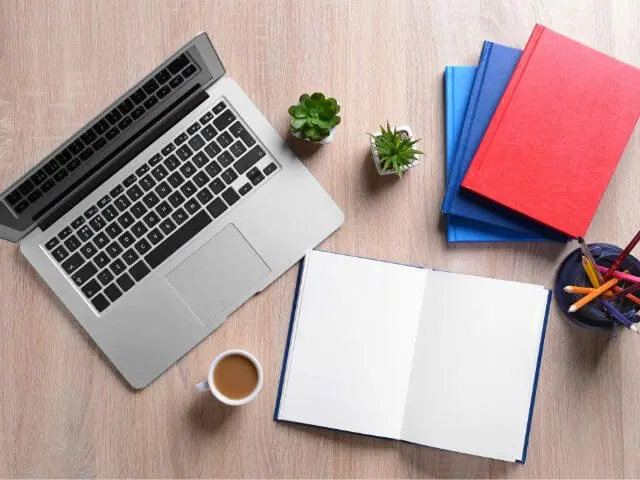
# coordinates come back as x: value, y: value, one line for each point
x: 208, y: 384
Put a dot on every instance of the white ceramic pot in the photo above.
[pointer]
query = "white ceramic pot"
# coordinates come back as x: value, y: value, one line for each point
x: 376, y: 157
x: 324, y: 141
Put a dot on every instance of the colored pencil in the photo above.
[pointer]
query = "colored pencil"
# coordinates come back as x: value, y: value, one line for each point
x: 593, y: 295
x: 624, y: 254
x: 585, y: 291
x: 591, y: 272
x: 615, y: 313
x: 628, y: 296
x: 587, y: 253
x: 627, y: 291
x: 627, y: 277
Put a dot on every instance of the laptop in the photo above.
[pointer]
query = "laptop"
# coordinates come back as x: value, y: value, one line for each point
x: 166, y: 212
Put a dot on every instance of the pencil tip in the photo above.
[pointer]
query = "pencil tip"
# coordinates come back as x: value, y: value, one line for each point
x: 572, y: 309
x: 568, y: 290
x: 633, y: 327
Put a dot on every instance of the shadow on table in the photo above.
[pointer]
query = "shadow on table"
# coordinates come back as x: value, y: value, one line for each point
x: 375, y: 182
x: 303, y: 149
x: 207, y: 414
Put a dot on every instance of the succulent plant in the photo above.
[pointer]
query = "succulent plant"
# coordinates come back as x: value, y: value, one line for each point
x: 314, y: 116
x: 395, y: 149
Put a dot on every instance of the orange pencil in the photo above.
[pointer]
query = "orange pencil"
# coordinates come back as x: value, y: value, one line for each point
x: 585, y: 291
x: 593, y: 295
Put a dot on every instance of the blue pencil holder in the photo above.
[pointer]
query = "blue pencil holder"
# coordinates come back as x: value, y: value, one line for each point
x: 571, y: 272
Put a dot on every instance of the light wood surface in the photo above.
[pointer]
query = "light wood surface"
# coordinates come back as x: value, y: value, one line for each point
x: 63, y: 410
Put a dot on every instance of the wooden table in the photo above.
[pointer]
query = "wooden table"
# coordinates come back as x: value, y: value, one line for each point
x: 63, y: 410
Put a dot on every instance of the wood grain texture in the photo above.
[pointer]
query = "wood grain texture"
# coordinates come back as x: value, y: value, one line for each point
x: 63, y: 411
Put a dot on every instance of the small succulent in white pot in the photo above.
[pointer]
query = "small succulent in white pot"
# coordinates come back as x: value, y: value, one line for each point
x: 314, y: 118
x: 393, y: 150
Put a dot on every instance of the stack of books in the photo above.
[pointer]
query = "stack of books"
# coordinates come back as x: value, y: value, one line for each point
x: 533, y: 137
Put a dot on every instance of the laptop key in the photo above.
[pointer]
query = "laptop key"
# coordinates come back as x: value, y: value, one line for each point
x: 187, y: 169
x: 89, y: 136
x: 117, y: 267
x: 125, y: 282
x: 150, y: 87
x: 192, y: 206
x: 175, y: 179
x: 130, y: 256
x: 126, y: 239
x: 134, y: 193
x: 137, y: 113
x: 85, y: 233
x: 91, y: 288
x: 116, y: 191
x: 139, y: 271
x: 113, y: 133
x: 184, y: 152
x: 159, y: 172
x: 229, y: 175
x: 188, y: 189
x: 151, y: 219
x: 230, y: 196
x: 187, y: 72
x: 112, y: 292
x: 84, y: 274
x: 155, y: 236
x: 99, y: 302
x: 163, y: 189
x: 213, y: 169
x: 207, y: 117
x: 200, y: 159
x: 147, y: 183
x: 98, y: 144
x: 246, y: 188
x: 168, y: 149
x: 196, y: 143
x: 249, y: 159
x: 91, y: 212
x: 60, y: 253
x: 51, y: 167
x: 35, y: 195
x: 88, y: 250
x: 101, y: 260
x: 269, y: 169
x: 142, y: 170
x: 105, y: 277
x: 122, y: 203
x: 181, y: 236
x: 255, y: 175
x: 126, y: 121
x: 97, y: 223
x: 179, y: 216
x: 77, y: 222
x: 85, y: 155
x: 180, y: 139
x: 143, y: 246
x: 163, y: 209
x: 65, y: 233
x: 156, y: 159
x: 74, y: 262
x: 238, y: 131
x: 72, y: 243
x: 208, y: 132
x: 216, y: 208
x: 212, y: 149
x: 51, y: 243
x: 113, y: 116
x: 237, y: 148
x: 138, y: 209
x: 126, y: 106
x: 200, y: 179
x: 130, y: 180
x: 204, y: 196
x: 167, y: 226
x: 225, y: 159
x: 217, y: 186
x: 114, y: 249
x: 113, y: 230
x: 163, y: 92
x: 193, y: 128
x: 176, y: 199
x: 49, y: 184
x: 223, y: 120
x: 101, y: 240
x: 104, y: 201
x: 224, y: 139
x: 172, y: 163
x: 76, y: 146
x: 139, y: 229
x: 126, y: 219
x: 109, y: 213
x: 175, y: 81
x: 138, y: 96
x: 219, y: 107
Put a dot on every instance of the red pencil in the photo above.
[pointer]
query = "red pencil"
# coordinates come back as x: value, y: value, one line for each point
x: 624, y: 254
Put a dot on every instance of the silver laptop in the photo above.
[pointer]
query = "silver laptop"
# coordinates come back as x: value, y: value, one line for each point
x: 166, y: 212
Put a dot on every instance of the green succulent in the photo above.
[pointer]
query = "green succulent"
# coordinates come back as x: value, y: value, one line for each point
x: 314, y: 116
x: 395, y: 149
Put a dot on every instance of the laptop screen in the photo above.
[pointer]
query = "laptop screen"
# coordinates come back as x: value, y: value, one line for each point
x: 107, y: 142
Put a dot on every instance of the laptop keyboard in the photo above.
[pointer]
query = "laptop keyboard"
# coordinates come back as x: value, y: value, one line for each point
x: 186, y: 186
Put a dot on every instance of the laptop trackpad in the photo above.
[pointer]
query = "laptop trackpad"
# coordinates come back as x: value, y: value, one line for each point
x: 222, y: 271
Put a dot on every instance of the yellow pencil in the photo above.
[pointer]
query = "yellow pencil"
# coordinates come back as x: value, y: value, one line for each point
x: 593, y: 295
x: 590, y: 271
x: 585, y: 291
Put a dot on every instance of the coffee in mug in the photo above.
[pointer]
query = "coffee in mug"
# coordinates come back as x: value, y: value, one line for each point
x: 235, y: 378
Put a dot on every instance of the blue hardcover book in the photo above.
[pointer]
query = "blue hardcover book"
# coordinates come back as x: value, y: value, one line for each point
x: 375, y: 348
x: 458, y: 82
x: 496, y: 65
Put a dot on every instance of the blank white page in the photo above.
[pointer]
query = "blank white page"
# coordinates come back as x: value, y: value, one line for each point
x: 351, y: 346
x: 474, y: 365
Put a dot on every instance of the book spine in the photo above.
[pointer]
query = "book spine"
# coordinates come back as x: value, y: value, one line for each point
x: 449, y: 120
x: 457, y: 173
x: 521, y: 67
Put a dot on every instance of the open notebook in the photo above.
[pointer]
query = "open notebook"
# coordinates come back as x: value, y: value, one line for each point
x: 429, y: 357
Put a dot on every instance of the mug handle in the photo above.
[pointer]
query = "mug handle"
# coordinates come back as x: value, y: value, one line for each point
x: 203, y: 386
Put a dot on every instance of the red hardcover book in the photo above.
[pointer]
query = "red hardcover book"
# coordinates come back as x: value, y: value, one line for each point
x: 558, y: 132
